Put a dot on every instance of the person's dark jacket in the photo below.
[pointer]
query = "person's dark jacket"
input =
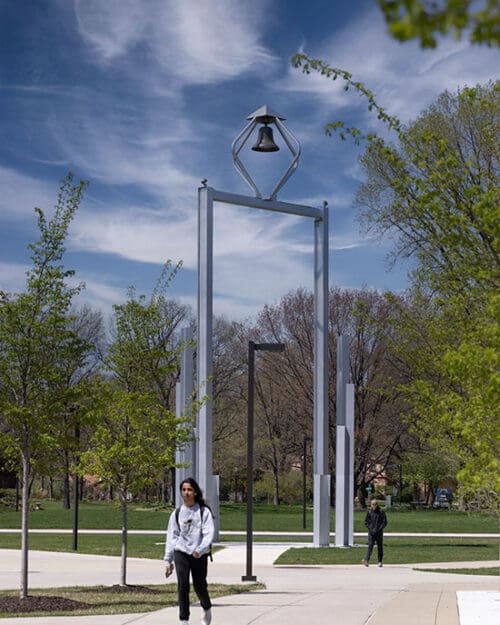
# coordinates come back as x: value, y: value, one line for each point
x: 375, y: 520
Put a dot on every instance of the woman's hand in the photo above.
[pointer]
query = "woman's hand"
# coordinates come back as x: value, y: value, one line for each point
x: 196, y: 555
x: 169, y: 569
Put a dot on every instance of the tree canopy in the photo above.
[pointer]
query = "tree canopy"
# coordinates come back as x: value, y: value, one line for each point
x: 438, y: 190
x: 425, y: 20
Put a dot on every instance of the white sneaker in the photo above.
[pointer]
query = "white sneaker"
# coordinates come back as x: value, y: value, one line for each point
x: 184, y: 622
x: 380, y: 565
x: 206, y: 619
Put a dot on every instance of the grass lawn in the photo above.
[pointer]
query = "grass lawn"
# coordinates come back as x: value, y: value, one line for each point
x: 233, y: 517
x: 101, y: 600
x: 396, y: 550
x: 399, y: 551
x: 478, y: 571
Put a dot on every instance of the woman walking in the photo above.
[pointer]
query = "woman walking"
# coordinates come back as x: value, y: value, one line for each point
x: 189, y: 537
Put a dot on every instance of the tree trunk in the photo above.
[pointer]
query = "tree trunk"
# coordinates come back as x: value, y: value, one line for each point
x: 276, y: 487
x: 123, y: 566
x: 23, y: 593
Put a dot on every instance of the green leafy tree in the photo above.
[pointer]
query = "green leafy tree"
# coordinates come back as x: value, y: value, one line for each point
x: 425, y: 19
x: 428, y: 469
x: 135, y: 431
x: 36, y: 340
x: 438, y: 191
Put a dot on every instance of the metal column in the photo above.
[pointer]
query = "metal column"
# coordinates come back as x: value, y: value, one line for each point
x: 344, y: 490
x: 321, y: 524
x: 183, y: 400
x: 204, y: 347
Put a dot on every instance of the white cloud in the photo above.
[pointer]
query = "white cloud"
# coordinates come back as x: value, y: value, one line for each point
x: 149, y: 236
x: 196, y: 42
x: 112, y: 27
x: 98, y: 294
x: 21, y: 193
x: 12, y: 277
x: 256, y: 255
x: 118, y: 147
x: 404, y: 78
x: 251, y: 282
x: 136, y: 235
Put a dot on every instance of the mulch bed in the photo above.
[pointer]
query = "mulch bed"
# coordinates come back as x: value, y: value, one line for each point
x: 12, y: 605
x: 32, y: 603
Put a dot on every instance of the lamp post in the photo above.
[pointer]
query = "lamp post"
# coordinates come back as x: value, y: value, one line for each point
x: 252, y: 348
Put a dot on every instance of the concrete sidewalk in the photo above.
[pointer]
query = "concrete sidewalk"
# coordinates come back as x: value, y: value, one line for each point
x: 296, y: 595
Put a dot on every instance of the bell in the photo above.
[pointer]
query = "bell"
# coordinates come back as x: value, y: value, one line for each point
x: 265, y: 141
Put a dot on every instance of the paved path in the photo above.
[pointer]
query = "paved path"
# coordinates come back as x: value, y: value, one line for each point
x: 294, y: 595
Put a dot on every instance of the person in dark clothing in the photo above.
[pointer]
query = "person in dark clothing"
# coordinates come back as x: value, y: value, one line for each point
x: 375, y: 521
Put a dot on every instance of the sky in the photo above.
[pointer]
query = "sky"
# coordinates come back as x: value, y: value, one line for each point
x: 143, y: 98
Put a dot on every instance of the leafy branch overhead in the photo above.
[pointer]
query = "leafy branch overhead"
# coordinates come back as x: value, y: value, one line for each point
x: 309, y: 65
x: 423, y: 20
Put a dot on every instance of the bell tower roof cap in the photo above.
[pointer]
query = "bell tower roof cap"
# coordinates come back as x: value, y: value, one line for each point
x: 265, y: 115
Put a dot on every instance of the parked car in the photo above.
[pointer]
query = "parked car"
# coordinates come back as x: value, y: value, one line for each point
x: 442, y: 498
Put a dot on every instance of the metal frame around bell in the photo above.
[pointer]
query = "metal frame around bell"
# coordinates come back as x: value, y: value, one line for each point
x: 207, y: 196
x: 288, y: 137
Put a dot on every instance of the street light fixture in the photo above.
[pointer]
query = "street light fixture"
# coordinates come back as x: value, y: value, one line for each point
x: 252, y: 348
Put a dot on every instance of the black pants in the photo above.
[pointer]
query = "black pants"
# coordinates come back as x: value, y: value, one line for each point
x: 185, y: 564
x: 372, y: 539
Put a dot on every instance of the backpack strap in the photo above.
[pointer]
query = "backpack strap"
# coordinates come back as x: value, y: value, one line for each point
x: 201, y: 513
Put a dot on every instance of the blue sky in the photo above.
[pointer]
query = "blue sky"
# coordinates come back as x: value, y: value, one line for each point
x: 143, y: 98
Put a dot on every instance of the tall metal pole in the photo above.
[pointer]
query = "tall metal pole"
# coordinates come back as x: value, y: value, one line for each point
x: 344, y: 491
x: 320, y: 430
x: 183, y: 394
x: 249, y: 577
x: 204, y: 345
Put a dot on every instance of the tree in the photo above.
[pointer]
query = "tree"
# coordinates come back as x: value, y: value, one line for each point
x: 286, y: 408
x: 423, y: 19
x: 36, y: 339
x: 135, y: 431
x: 427, y: 469
x: 87, y: 325
x: 230, y: 354
x: 438, y: 191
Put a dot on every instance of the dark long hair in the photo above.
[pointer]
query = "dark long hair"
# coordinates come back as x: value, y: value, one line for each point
x: 198, y: 495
